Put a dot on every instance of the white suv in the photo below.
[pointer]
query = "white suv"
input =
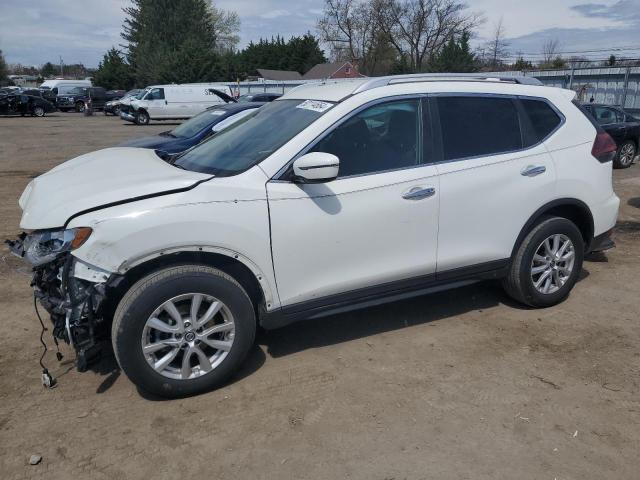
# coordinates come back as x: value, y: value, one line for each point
x: 338, y: 195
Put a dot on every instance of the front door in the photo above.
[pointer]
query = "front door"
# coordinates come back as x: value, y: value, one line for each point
x: 156, y: 103
x: 375, y: 224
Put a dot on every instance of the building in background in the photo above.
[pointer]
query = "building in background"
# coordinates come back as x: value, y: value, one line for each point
x: 323, y: 71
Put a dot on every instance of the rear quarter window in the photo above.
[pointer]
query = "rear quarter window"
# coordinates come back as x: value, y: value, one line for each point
x: 543, y: 118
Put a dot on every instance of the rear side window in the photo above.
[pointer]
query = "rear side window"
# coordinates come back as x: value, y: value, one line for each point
x: 477, y: 126
x: 543, y: 118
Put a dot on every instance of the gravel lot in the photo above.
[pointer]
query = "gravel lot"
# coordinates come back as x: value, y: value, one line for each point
x: 458, y: 385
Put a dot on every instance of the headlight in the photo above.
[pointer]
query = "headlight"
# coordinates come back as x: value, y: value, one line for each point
x: 44, y: 247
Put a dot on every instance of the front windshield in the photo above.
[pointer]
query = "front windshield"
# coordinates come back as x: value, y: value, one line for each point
x: 252, y: 139
x: 192, y: 126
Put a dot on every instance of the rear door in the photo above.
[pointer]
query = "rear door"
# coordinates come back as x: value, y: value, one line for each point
x: 495, y: 172
x: 375, y: 224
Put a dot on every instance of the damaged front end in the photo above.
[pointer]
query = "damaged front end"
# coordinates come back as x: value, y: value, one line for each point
x: 72, y: 291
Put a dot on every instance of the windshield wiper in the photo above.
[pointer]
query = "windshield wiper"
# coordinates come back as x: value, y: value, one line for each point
x: 168, y: 134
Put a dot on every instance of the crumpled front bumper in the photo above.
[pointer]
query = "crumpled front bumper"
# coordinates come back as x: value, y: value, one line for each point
x: 73, y: 293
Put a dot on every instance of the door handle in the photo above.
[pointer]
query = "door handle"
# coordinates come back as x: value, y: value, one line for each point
x: 418, y: 193
x: 532, y: 170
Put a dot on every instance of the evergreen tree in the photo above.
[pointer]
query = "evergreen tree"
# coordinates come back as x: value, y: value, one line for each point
x: 455, y: 56
x: 113, y: 72
x: 304, y: 53
x: 49, y: 70
x: 4, y: 71
x: 170, y: 41
x: 522, y: 64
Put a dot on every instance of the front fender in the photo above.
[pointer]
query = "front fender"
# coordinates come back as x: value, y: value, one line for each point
x: 127, y: 235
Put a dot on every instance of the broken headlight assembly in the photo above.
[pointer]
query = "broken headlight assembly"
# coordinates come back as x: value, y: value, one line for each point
x: 72, y: 303
x: 42, y: 247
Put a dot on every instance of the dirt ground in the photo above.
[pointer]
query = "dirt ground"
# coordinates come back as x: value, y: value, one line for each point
x: 457, y: 385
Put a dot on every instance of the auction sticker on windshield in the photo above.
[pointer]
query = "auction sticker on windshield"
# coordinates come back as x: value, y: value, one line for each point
x: 315, y: 105
x: 218, y: 112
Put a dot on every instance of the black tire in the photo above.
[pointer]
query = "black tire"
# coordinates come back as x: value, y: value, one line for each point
x: 519, y: 283
x: 625, y: 154
x: 38, y: 111
x: 142, y: 118
x: 153, y: 290
x: 79, y: 107
x: 116, y: 111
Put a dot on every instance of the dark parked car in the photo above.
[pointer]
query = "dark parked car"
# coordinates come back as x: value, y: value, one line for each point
x: 79, y: 96
x: 259, y: 97
x: 21, y: 104
x: 623, y: 127
x: 196, y: 129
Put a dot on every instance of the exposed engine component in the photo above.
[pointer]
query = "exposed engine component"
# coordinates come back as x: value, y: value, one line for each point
x: 73, y: 304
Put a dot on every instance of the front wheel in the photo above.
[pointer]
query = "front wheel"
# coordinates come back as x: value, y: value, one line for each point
x: 547, y: 263
x: 80, y: 107
x: 183, y: 330
x: 625, y: 155
x: 142, y: 118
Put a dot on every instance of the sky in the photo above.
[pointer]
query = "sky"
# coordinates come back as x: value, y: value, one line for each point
x: 80, y: 31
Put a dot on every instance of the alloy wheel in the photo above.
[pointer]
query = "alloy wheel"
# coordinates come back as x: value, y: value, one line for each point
x: 627, y: 152
x: 552, y: 263
x: 188, y: 336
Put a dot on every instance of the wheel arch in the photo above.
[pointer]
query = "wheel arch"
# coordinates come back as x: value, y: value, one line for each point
x: 245, y: 272
x: 570, y: 208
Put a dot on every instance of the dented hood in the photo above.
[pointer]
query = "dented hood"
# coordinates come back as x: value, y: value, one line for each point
x: 98, y: 179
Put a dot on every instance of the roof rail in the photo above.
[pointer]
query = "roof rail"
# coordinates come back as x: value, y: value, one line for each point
x: 377, y: 82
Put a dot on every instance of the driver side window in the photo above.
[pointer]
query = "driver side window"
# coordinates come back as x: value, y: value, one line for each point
x: 381, y: 137
x: 156, y: 94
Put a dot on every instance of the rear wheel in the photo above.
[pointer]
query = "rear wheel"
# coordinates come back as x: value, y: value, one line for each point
x: 80, y: 107
x: 38, y: 111
x: 625, y: 155
x: 142, y: 118
x: 547, y: 263
x: 183, y: 330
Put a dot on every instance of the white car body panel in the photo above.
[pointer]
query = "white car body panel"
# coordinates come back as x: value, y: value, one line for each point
x: 228, y: 216
x: 480, y: 218
x: 365, y: 228
x: 95, y: 179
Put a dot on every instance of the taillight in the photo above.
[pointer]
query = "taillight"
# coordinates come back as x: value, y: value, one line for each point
x: 604, y: 147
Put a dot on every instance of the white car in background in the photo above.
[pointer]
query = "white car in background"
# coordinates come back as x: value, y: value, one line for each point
x: 338, y: 195
x: 174, y: 102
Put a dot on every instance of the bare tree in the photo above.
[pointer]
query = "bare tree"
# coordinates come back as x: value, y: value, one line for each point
x: 225, y: 25
x: 418, y: 29
x: 497, y: 47
x: 349, y: 27
x: 550, y: 50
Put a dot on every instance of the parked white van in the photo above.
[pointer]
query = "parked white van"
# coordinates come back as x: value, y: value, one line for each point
x: 61, y: 87
x: 173, y: 102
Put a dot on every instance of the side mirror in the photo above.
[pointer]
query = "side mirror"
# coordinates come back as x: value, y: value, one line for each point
x: 316, y: 167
